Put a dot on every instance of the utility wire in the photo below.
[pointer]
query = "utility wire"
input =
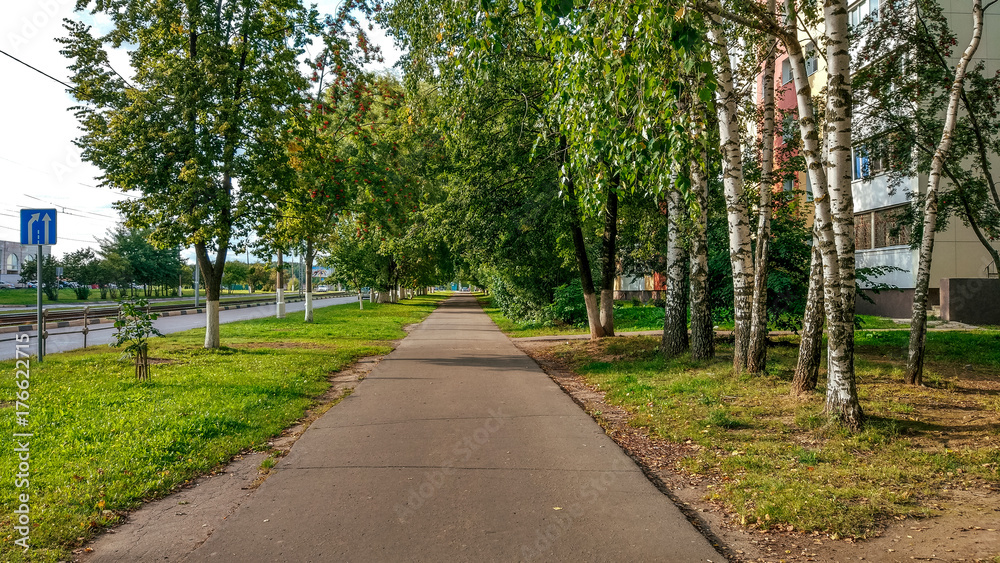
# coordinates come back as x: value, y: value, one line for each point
x: 59, y: 238
x: 112, y: 190
x: 65, y: 208
x: 43, y: 73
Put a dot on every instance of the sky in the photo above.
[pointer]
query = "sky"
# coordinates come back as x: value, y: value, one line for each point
x: 40, y: 167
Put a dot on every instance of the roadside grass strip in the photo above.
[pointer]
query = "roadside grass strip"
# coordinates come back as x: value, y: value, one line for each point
x: 105, y: 443
x: 774, y: 462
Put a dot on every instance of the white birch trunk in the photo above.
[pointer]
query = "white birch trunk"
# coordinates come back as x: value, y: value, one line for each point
x: 838, y: 257
x: 675, y: 335
x: 918, y: 320
x: 736, y: 211
x: 702, y: 331
x: 757, y: 349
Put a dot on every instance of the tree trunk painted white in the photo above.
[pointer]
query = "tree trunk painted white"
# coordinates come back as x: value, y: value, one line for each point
x: 212, y: 274
x: 212, y: 339
x: 280, y: 287
x: 361, y: 301
x: 310, y: 256
x: 580, y: 247
x: 918, y: 320
x: 757, y: 348
x: 737, y: 216
x: 702, y: 331
x: 675, y: 332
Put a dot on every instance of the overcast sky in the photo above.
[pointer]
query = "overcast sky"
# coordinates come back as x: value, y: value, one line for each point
x: 39, y: 165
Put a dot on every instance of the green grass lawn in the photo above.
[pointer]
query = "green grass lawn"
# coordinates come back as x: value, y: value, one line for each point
x: 105, y: 443
x: 629, y: 317
x: 777, y: 463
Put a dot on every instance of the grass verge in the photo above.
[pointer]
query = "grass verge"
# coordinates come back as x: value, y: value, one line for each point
x: 775, y: 461
x: 628, y: 317
x: 104, y: 443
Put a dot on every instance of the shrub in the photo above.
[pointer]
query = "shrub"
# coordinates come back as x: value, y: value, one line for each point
x: 568, y: 305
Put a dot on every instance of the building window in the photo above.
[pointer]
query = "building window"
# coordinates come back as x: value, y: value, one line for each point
x: 789, y: 128
x: 809, y: 188
x: 789, y: 185
x: 869, y: 159
x: 890, y: 227
x: 13, y: 264
x: 812, y: 62
x: 786, y: 71
x: 863, y: 231
x: 862, y: 10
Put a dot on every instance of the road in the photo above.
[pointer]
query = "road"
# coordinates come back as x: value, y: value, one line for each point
x: 70, y: 338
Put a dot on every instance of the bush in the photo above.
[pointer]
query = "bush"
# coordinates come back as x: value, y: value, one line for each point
x: 568, y: 305
x: 82, y: 292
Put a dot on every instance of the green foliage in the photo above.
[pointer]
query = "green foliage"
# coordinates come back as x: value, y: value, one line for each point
x: 901, y: 92
x: 128, y: 258
x: 50, y: 285
x: 133, y: 328
x: 567, y: 305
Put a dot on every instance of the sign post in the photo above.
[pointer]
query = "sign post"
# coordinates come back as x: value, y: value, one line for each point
x: 38, y: 226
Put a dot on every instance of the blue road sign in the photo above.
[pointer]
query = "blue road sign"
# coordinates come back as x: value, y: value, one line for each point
x: 38, y: 226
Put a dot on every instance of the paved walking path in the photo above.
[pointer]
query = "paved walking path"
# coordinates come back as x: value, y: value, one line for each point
x: 457, y: 447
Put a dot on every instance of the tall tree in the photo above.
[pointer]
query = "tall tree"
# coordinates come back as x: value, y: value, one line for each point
x: 741, y: 257
x: 921, y: 111
x: 209, y: 82
x: 828, y: 160
x: 918, y: 321
x: 756, y: 353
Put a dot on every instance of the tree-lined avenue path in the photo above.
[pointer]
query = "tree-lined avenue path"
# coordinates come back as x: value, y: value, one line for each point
x: 456, y: 447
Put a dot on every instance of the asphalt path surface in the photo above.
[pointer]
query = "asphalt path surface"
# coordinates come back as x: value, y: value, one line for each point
x: 456, y: 447
x: 70, y: 338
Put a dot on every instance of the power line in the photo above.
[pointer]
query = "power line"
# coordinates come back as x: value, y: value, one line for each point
x: 65, y: 208
x: 60, y: 237
x: 112, y: 190
x: 43, y: 73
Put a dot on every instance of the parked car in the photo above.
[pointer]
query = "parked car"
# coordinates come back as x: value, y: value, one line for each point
x: 5, y: 285
x: 323, y: 288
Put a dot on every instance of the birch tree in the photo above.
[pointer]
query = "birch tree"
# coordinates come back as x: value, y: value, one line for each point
x: 828, y: 159
x: 918, y: 321
x: 740, y: 255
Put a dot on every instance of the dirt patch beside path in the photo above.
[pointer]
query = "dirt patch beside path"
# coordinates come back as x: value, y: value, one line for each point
x: 966, y: 526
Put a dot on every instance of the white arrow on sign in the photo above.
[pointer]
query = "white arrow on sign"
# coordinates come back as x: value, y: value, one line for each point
x: 31, y: 222
x: 46, y: 219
